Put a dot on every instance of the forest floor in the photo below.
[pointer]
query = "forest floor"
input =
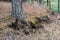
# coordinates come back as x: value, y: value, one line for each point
x: 48, y: 32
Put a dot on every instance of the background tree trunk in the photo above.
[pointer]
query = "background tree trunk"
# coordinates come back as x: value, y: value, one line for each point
x: 40, y: 1
x: 49, y: 3
x: 58, y: 6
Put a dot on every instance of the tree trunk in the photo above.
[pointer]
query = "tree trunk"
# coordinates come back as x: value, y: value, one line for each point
x: 58, y: 6
x: 40, y: 1
x: 17, y: 12
x: 17, y: 9
x: 49, y: 4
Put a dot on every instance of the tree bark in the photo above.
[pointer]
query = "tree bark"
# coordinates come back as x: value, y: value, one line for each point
x: 17, y: 9
x: 49, y: 4
x: 58, y: 6
x: 40, y: 1
x: 17, y: 12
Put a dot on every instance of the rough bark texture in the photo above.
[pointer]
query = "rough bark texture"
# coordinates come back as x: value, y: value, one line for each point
x: 17, y: 9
